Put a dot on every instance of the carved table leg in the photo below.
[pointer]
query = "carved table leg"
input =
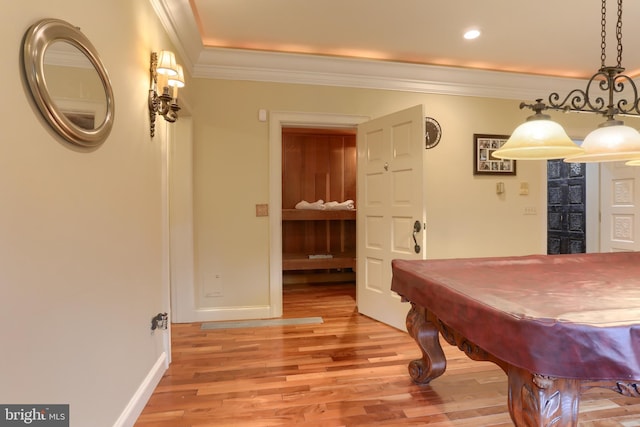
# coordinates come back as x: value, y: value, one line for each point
x: 539, y: 401
x: 433, y: 363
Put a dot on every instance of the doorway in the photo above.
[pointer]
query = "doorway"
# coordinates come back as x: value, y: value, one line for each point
x: 318, y: 205
x: 277, y: 121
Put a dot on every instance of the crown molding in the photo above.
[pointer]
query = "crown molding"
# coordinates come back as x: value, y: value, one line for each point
x: 237, y: 64
x: 181, y: 27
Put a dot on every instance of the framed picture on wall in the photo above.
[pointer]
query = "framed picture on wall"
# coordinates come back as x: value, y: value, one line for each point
x: 483, y: 161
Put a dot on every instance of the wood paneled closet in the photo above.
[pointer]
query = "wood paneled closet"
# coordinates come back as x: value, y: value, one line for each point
x: 318, y: 245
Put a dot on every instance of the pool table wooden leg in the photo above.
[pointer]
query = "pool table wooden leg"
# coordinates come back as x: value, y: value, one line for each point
x: 433, y: 362
x: 539, y: 401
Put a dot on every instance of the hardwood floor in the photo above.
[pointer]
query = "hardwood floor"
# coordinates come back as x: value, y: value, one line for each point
x: 348, y: 371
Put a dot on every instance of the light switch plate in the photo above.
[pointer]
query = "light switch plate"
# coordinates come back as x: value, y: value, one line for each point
x: 262, y: 209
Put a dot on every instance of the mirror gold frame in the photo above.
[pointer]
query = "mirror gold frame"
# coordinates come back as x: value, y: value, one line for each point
x: 36, y: 41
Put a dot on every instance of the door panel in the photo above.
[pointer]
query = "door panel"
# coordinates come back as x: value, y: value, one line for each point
x: 566, y: 207
x: 374, y: 272
x: 402, y: 186
x: 620, y: 195
x: 401, y: 239
x: 391, y: 199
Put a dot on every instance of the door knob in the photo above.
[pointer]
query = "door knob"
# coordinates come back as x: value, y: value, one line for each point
x: 416, y: 229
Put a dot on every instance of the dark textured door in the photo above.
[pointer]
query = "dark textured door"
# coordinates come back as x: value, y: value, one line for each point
x: 566, y: 213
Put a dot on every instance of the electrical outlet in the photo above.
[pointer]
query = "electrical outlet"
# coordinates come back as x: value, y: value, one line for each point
x: 530, y: 210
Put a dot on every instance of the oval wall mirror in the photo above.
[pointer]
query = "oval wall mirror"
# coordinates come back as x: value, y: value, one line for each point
x: 68, y: 82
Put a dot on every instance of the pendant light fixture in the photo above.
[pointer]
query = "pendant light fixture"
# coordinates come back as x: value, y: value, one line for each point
x: 608, y: 93
x: 539, y: 138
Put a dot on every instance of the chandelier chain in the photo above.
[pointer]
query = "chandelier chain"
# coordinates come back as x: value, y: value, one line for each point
x: 619, y: 33
x: 603, y: 34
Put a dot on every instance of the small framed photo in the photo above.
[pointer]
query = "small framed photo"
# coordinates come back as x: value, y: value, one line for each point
x: 484, y: 163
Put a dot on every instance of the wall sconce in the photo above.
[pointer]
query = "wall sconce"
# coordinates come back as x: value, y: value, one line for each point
x: 166, y: 76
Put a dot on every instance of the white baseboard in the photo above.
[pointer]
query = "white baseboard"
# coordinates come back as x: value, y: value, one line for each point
x: 140, y: 398
x: 224, y: 313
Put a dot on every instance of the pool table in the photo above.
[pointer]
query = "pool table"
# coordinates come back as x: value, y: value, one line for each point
x: 556, y: 324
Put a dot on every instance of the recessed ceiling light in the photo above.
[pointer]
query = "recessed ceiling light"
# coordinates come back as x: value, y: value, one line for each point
x: 472, y: 34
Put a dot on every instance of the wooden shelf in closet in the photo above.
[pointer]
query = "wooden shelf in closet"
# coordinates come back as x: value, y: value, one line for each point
x: 299, y: 261
x: 317, y: 215
x: 303, y: 262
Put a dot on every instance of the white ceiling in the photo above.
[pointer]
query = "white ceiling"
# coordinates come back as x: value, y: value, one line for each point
x: 526, y: 47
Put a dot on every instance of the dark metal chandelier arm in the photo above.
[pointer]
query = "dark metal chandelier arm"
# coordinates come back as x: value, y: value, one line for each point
x: 627, y: 106
x: 576, y: 100
x: 610, y: 82
x: 537, y: 108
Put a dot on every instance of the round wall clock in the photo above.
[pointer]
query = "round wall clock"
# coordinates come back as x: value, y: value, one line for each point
x: 433, y: 132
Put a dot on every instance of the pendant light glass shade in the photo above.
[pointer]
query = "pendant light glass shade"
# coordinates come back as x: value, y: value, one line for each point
x: 612, y: 141
x: 538, y: 138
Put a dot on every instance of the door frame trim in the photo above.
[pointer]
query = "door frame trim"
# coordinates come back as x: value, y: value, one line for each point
x: 278, y: 120
x: 593, y: 201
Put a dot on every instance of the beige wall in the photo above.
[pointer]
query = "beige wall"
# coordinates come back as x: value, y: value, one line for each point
x: 81, y: 231
x: 465, y: 216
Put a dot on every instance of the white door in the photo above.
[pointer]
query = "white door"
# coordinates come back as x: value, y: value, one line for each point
x: 620, y: 207
x: 390, y: 203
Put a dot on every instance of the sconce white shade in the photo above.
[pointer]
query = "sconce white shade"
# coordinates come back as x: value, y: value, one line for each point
x: 538, y: 139
x: 608, y: 143
x: 167, y: 63
x: 178, y: 79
